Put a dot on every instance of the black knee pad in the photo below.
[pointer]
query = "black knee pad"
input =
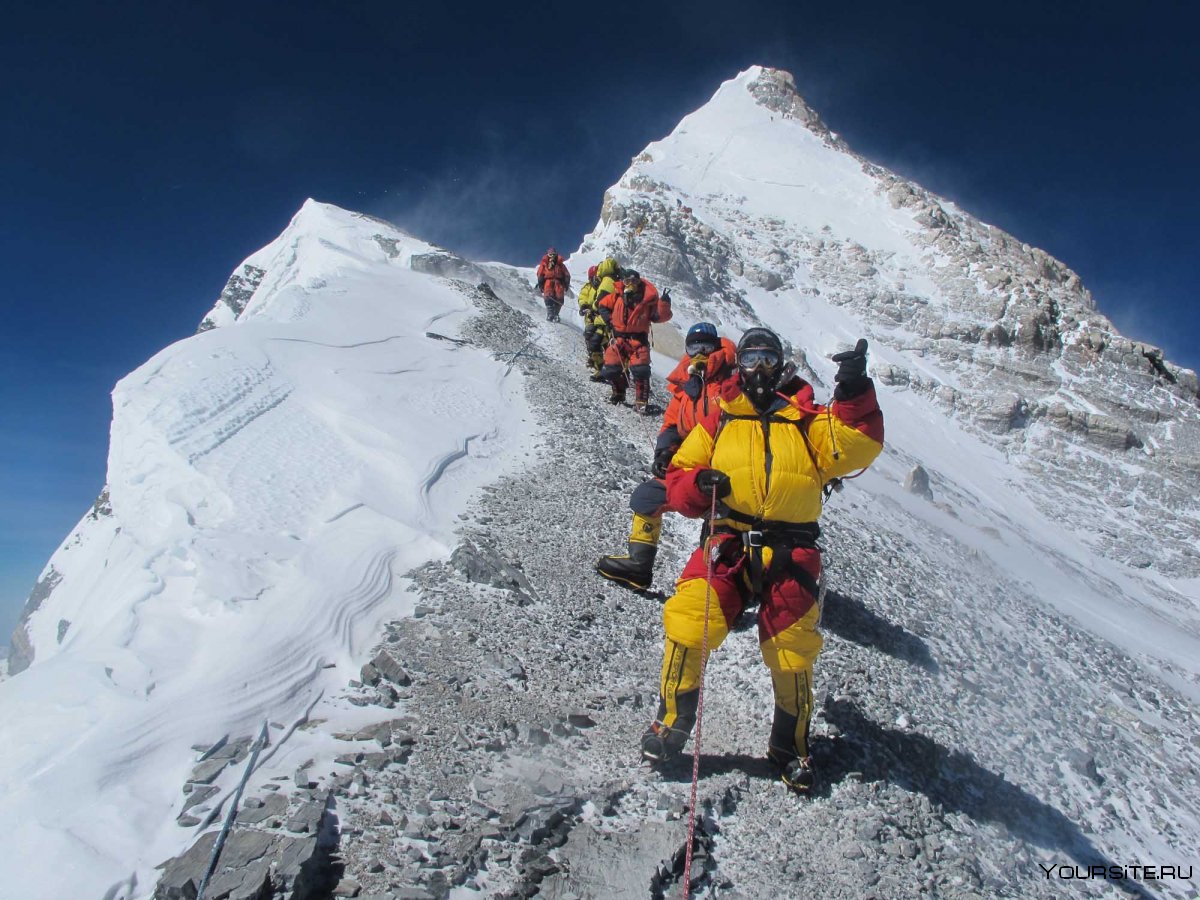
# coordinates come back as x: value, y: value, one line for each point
x: 649, y: 497
x: 639, y: 373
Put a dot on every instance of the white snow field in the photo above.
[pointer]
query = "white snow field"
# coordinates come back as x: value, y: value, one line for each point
x: 273, y: 478
x: 270, y: 482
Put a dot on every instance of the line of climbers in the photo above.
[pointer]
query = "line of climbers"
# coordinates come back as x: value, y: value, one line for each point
x: 743, y: 434
x: 618, y: 307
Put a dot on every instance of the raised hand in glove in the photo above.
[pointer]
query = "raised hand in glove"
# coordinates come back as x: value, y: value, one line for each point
x: 713, y: 479
x: 851, y: 375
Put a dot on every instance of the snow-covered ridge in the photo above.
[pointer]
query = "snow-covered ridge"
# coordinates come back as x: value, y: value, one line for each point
x: 270, y: 480
x: 282, y: 272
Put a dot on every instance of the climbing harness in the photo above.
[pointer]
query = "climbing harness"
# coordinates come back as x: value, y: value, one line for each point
x: 711, y: 549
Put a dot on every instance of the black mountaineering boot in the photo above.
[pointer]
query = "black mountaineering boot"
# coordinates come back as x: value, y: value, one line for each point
x: 661, y: 744
x: 635, y: 570
x: 641, y: 394
x: 788, y: 744
x: 798, y: 775
x: 795, y: 771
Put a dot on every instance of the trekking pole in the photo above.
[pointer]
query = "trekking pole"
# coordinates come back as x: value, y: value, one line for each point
x: 710, y: 549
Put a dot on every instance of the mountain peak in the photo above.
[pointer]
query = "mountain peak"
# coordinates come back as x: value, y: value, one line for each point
x: 775, y: 90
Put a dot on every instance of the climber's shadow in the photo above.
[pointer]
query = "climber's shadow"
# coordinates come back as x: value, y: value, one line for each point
x: 852, y: 620
x: 754, y: 766
x: 949, y: 778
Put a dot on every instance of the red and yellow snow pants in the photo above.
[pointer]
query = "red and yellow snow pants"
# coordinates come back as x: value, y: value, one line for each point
x: 787, y: 634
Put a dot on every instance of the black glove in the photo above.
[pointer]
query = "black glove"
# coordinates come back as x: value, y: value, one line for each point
x: 583, y: 310
x: 851, y: 375
x: 666, y: 297
x: 541, y: 282
x: 710, y: 479
x: 662, y: 459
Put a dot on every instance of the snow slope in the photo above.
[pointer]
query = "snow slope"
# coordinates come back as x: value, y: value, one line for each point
x: 270, y: 482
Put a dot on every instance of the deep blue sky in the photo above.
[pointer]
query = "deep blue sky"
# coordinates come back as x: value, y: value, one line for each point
x: 146, y: 149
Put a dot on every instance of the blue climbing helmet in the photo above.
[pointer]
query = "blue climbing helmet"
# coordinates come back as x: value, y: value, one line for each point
x: 702, y: 339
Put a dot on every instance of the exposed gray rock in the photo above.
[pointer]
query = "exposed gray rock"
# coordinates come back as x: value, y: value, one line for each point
x: 237, y: 293
x: 369, y: 674
x: 273, y: 806
x: 20, y: 650
x: 207, y: 771
x: 253, y: 865
x: 307, y: 817
x: 446, y: 265
x: 197, y: 794
x: 387, y: 666
x: 207, y: 751
x: 480, y: 563
x: 231, y: 751
x: 917, y: 482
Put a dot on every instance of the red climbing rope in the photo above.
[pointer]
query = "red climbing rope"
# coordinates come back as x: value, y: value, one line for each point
x: 711, y: 549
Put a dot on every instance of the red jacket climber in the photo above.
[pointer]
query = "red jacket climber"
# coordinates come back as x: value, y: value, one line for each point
x: 630, y: 310
x: 553, y: 279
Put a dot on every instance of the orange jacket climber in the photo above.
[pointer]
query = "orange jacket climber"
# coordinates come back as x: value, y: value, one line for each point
x: 634, y: 305
x: 693, y: 397
x: 695, y: 386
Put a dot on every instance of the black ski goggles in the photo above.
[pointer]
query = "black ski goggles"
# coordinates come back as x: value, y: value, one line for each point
x: 753, y: 358
x: 702, y: 347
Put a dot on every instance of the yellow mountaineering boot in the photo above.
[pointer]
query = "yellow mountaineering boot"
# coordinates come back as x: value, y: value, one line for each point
x: 636, y: 569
